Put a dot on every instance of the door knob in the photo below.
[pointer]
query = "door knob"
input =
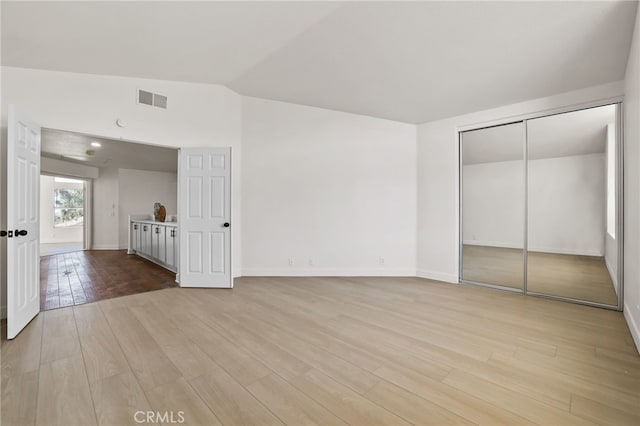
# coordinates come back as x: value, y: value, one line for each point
x: 20, y: 233
x: 226, y: 224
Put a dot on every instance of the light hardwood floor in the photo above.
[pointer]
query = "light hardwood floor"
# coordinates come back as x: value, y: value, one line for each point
x: 573, y: 276
x: 297, y: 351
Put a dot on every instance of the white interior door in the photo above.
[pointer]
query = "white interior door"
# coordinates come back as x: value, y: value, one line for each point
x: 204, y: 217
x: 23, y: 221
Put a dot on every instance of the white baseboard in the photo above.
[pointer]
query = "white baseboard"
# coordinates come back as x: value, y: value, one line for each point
x: 634, y: 327
x: 614, y: 276
x: 490, y: 244
x: 437, y: 276
x: 554, y: 250
x: 328, y: 272
x: 105, y: 247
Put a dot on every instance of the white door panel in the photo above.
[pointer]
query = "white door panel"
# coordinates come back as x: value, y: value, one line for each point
x: 216, y: 248
x: 204, y: 217
x: 23, y: 224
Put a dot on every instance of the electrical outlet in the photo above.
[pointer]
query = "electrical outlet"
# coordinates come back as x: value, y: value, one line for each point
x: 381, y: 260
x: 291, y: 261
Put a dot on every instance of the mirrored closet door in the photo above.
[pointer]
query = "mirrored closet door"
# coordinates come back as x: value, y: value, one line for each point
x: 540, y: 206
x: 492, y: 227
x: 572, y: 205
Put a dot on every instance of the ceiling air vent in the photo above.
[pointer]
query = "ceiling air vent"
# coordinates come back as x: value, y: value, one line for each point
x: 152, y: 99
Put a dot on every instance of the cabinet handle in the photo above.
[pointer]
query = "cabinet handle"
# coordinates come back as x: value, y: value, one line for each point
x: 135, y: 226
x: 157, y: 229
x: 144, y: 228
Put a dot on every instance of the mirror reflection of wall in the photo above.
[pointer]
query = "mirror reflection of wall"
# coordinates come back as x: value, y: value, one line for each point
x: 493, y: 205
x: 572, y: 250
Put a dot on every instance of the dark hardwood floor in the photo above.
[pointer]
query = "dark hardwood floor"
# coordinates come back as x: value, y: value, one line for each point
x: 88, y: 276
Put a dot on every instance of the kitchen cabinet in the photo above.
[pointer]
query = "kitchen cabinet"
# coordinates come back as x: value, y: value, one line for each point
x: 145, y: 239
x: 135, y: 237
x: 155, y: 241
x: 158, y: 243
x: 172, y: 247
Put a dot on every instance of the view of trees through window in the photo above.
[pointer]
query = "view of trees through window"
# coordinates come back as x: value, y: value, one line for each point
x: 68, y: 207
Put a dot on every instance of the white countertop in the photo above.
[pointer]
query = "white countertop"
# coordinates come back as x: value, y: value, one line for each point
x: 154, y: 222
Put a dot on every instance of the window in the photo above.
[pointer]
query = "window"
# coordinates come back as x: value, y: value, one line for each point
x: 68, y: 198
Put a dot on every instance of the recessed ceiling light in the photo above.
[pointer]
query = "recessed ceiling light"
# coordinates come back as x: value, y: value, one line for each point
x: 96, y: 144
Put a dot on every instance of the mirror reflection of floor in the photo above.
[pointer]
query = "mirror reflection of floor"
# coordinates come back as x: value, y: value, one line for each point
x: 573, y: 276
x: 493, y: 265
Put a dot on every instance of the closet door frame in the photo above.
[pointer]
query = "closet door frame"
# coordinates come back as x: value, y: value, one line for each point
x: 619, y: 160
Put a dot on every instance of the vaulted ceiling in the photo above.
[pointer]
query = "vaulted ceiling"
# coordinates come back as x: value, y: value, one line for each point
x: 405, y: 61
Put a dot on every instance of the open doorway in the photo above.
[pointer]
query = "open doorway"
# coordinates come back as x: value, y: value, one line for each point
x: 62, y: 214
x: 91, y: 187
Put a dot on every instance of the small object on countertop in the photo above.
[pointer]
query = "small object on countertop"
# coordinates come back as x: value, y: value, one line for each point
x: 156, y: 210
x: 162, y: 214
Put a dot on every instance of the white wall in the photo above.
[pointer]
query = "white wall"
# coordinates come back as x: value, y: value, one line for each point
x: 48, y: 232
x: 632, y: 187
x: 138, y: 191
x: 197, y: 114
x: 438, y: 167
x: 332, y: 187
x: 105, y: 197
